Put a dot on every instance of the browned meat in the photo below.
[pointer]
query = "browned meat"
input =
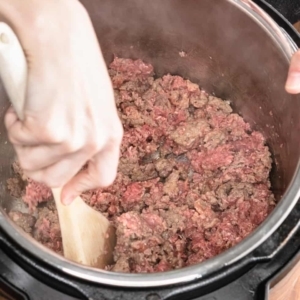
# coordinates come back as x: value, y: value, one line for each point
x: 31, y: 191
x: 15, y: 186
x: 35, y: 193
x: 193, y: 179
x: 23, y: 220
x: 47, y: 230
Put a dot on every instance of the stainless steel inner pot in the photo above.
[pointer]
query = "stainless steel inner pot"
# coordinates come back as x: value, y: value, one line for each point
x: 232, y: 49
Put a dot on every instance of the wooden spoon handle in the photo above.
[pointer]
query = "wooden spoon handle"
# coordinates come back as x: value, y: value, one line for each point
x: 13, y: 71
x: 13, y: 68
x: 87, y: 235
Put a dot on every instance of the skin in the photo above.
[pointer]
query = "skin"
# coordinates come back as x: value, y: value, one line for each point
x: 293, y: 82
x: 70, y: 113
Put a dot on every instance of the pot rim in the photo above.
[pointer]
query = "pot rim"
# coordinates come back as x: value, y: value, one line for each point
x: 187, y: 274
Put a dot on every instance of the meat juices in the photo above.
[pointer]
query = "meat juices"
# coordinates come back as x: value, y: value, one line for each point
x: 193, y: 177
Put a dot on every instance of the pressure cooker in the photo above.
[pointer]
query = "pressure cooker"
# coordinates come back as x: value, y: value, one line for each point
x: 236, y: 49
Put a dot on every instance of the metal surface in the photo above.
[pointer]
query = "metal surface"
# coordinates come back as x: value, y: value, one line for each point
x: 232, y: 51
x: 282, y: 19
x: 247, y: 280
x: 290, y: 9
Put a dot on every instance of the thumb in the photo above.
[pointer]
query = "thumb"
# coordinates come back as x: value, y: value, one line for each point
x: 293, y: 81
x: 101, y: 172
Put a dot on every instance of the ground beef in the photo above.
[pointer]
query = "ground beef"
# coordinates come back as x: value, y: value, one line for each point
x: 35, y: 193
x: 32, y: 192
x: 46, y: 229
x: 193, y: 178
x: 23, y: 220
x: 15, y: 186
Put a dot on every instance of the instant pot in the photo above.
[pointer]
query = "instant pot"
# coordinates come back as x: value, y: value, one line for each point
x: 238, y: 50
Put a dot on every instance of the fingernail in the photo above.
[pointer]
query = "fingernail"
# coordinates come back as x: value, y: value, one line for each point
x: 67, y: 200
x: 293, y: 82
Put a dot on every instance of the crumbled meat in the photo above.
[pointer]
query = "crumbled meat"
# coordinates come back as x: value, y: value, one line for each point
x: 32, y: 192
x: 18, y: 171
x: 164, y: 167
x: 187, y: 134
x: 35, y: 193
x: 171, y: 187
x: 193, y: 178
x: 23, y: 220
x: 46, y: 229
x: 15, y: 186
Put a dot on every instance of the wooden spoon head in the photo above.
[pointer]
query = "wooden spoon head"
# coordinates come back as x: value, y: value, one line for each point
x: 88, y: 237
x: 106, y: 258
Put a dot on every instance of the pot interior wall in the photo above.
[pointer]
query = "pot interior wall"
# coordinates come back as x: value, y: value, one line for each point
x: 226, y: 53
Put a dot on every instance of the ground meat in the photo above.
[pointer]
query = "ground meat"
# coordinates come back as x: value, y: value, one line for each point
x: 15, y: 186
x: 193, y: 178
x: 29, y: 190
x: 23, y: 220
x: 46, y: 229
x: 35, y: 193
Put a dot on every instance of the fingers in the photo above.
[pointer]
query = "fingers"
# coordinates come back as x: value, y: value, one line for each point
x: 40, y: 157
x: 61, y: 172
x: 18, y: 134
x: 10, y: 118
x: 52, y: 127
x: 101, y: 172
x: 38, y: 148
x: 293, y: 82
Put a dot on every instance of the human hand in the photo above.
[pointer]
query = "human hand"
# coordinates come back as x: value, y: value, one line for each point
x: 293, y: 82
x: 70, y: 116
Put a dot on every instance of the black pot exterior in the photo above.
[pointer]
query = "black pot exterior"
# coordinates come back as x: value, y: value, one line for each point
x: 247, y: 280
x: 290, y: 9
x: 285, y: 13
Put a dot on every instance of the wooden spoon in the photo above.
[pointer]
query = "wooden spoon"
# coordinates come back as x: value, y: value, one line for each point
x: 88, y: 237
